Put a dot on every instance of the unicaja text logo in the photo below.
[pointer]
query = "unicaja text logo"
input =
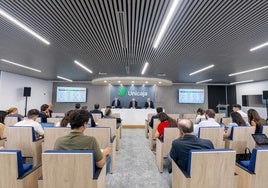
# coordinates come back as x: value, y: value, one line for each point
x: 137, y: 93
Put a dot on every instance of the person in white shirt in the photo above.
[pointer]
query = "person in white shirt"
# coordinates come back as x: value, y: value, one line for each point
x: 200, y: 115
x: 237, y: 108
x: 209, y: 122
x: 30, y: 121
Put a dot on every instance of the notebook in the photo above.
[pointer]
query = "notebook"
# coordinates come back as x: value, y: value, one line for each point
x: 260, y: 139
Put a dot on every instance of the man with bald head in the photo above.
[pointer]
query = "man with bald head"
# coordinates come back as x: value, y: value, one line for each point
x: 180, y: 147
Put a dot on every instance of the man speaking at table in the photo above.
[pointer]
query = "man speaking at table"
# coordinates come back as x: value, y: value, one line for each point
x: 149, y: 103
x: 133, y: 103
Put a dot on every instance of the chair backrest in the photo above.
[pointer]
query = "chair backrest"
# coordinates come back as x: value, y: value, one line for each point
x: 116, y: 115
x: 149, y: 116
x: 218, y: 117
x: 106, y: 122
x: 54, y: 120
x: 57, y: 115
x: 240, y: 138
x: 170, y: 134
x: 189, y: 116
x: 72, y: 168
x: 10, y: 121
x: 102, y: 135
x: 226, y: 121
x: 51, y: 134
x: 214, y: 134
x: 22, y: 138
x: 211, y: 168
x: 96, y: 116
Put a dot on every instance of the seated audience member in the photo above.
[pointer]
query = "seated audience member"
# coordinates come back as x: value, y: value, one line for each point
x: 149, y: 103
x: 158, y: 110
x: 44, y: 113
x: 133, y: 103
x: 84, y: 108
x: 13, y: 112
x: 237, y: 120
x: 76, y: 140
x: 77, y: 106
x: 180, y: 147
x: 237, y: 108
x: 200, y: 115
x: 96, y: 110
x: 30, y: 121
x: 209, y: 122
x: 255, y: 120
x: 116, y: 103
x: 65, y: 122
x: 165, y: 121
x: 108, y: 114
x: 2, y: 125
x: 50, y: 109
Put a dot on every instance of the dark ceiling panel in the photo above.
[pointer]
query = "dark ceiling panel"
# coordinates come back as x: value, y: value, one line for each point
x: 117, y: 36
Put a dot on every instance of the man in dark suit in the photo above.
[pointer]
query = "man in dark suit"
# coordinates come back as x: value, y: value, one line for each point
x: 133, y: 103
x: 149, y: 103
x: 116, y: 103
x: 96, y: 110
x: 180, y: 147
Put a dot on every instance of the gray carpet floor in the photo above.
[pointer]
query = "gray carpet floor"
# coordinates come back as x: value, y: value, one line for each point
x: 135, y: 164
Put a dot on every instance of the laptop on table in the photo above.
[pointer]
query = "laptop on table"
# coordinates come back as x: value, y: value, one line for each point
x: 261, y: 140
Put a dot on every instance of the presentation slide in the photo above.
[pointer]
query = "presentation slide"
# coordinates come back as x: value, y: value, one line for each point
x: 71, y: 94
x: 194, y: 96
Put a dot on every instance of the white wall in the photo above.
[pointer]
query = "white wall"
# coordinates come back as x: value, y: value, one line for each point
x: 11, y: 92
x: 254, y: 88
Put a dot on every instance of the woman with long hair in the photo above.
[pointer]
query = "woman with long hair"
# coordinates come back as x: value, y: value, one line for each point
x: 255, y: 120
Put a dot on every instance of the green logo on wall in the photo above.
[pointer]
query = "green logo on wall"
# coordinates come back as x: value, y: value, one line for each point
x: 122, y: 91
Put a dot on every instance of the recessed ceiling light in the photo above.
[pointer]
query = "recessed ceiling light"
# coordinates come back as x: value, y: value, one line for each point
x: 203, y: 81
x: 24, y: 27
x: 166, y: 23
x: 132, y: 82
x: 201, y: 70
x: 258, y: 47
x: 146, y: 82
x: 250, y: 70
x: 241, y: 82
x: 119, y: 81
x: 19, y: 65
x: 144, y: 68
x: 63, y: 78
x: 83, y: 66
x: 105, y: 81
x: 160, y: 82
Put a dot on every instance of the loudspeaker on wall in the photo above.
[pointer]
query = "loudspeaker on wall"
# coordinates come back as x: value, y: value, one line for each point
x: 27, y: 92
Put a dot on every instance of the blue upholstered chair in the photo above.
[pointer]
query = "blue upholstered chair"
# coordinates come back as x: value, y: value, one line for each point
x: 253, y: 173
x: 71, y: 168
x: 24, y: 139
x: 208, y: 168
x: 15, y: 173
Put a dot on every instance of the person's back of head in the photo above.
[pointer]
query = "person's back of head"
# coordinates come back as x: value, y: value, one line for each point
x: 236, y: 107
x: 77, y: 106
x: 210, y: 113
x: 162, y: 116
x: 33, y: 113
x: 108, y: 112
x: 159, y: 109
x: 78, y: 118
x: 44, y: 107
x: 254, y: 115
x: 237, y: 118
x: 12, y: 110
x: 84, y: 108
x: 200, y: 111
x: 186, y: 126
x: 96, y: 106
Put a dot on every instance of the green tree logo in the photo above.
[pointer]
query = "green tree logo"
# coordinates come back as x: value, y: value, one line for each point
x: 122, y: 91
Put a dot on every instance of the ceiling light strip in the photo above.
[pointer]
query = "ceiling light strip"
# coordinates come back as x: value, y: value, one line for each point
x: 241, y: 82
x: 144, y: 68
x: 258, y: 47
x: 203, y: 81
x: 203, y: 69
x: 19, y: 65
x: 247, y: 71
x: 166, y: 23
x: 83, y: 66
x: 22, y: 26
x: 63, y: 78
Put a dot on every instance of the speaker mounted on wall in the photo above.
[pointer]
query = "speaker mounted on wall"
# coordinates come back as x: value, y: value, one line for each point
x: 265, y: 94
x: 27, y: 92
